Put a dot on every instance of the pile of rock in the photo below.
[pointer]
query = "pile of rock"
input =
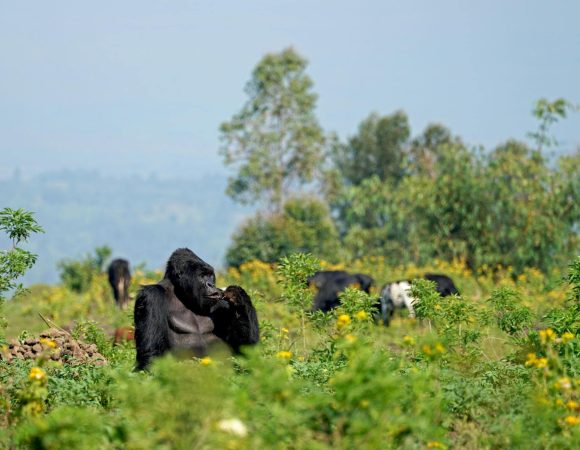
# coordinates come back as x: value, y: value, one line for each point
x: 57, y: 345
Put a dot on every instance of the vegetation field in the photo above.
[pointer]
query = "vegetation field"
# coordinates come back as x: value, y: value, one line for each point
x: 496, y: 367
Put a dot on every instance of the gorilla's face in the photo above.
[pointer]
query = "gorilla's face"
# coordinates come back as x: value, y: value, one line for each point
x: 193, y: 281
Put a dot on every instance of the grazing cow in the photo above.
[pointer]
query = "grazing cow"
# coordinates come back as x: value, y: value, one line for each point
x: 397, y: 295
x: 120, y: 279
x: 330, y: 283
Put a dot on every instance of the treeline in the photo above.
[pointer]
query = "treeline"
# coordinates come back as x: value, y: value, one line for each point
x: 386, y: 192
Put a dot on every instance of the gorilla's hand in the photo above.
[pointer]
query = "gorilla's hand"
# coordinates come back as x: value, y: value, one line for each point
x: 220, y: 305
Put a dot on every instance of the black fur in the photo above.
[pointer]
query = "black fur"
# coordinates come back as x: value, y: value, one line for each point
x: 120, y: 279
x: 331, y: 283
x: 186, y: 312
x: 443, y: 284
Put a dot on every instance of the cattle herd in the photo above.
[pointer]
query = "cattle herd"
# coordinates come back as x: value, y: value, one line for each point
x: 396, y: 295
x: 186, y: 313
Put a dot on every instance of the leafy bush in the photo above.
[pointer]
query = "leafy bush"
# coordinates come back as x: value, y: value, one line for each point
x: 18, y: 225
x: 77, y: 275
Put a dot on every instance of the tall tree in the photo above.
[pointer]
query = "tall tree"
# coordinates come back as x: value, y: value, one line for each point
x: 378, y: 149
x: 275, y: 141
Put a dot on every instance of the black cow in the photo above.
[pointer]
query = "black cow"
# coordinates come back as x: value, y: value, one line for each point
x: 330, y: 283
x: 120, y: 279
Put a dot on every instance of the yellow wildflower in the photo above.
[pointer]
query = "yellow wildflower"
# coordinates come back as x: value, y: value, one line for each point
x: 571, y: 404
x: 48, y: 342
x: 531, y: 359
x: 540, y: 363
x: 36, y: 374
x: 439, y: 348
x: 284, y: 355
x: 343, y: 320
x: 563, y: 383
x: 427, y: 349
x: 435, y: 444
x: 284, y: 330
x: 350, y: 338
x: 361, y: 315
x: 409, y: 340
x: 547, y: 335
x: 572, y: 420
x: 567, y: 337
x: 205, y: 361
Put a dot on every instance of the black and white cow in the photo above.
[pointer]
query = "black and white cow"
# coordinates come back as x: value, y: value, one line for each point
x: 397, y: 295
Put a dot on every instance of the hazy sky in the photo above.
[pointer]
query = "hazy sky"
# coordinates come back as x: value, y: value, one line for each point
x: 141, y: 86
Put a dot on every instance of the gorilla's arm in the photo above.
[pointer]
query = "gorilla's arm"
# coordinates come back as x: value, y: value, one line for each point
x: 237, y: 323
x: 151, y: 328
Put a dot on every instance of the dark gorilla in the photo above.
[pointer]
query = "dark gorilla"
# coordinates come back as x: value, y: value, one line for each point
x: 330, y: 283
x: 185, y: 311
x: 120, y: 279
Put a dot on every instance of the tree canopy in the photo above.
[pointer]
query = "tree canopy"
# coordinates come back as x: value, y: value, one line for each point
x: 275, y: 141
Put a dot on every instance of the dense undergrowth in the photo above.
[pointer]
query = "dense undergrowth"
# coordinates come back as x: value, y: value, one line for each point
x: 497, y: 367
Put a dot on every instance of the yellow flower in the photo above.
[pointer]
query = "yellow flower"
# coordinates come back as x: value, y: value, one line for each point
x: 284, y: 355
x: 48, y: 342
x: 205, y: 361
x: 36, y: 374
x: 343, y: 320
x: 540, y: 363
x: 563, y: 383
x: 531, y: 359
x: 361, y: 315
x: 427, y: 349
x: 435, y: 444
x: 284, y: 330
x: 567, y: 337
x: 350, y: 338
x: 572, y: 420
x: 409, y: 340
x: 439, y: 348
x: 571, y: 404
x: 547, y: 335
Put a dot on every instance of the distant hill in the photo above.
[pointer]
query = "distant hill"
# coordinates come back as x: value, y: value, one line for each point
x: 142, y: 219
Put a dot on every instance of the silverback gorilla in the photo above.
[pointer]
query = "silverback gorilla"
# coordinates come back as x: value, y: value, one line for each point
x: 185, y: 311
x: 120, y: 279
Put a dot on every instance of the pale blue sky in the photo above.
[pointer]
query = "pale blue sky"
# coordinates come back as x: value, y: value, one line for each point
x: 141, y: 86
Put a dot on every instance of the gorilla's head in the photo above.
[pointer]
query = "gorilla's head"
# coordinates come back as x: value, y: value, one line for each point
x: 193, y: 281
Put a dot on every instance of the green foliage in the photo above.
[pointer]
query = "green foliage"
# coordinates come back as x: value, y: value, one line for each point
x: 508, y: 207
x: 77, y: 275
x: 511, y: 316
x: 379, y: 149
x: 454, y: 378
x: 90, y: 332
x: 275, y: 141
x: 548, y: 113
x: 18, y: 224
x: 304, y: 225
